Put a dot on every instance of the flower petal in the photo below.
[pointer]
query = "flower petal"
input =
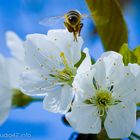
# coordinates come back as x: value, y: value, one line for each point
x: 33, y: 83
x: 65, y: 41
x: 100, y: 73
x: 5, y: 103
x: 113, y: 66
x: 15, y: 44
x: 86, y: 64
x: 84, y: 119
x: 127, y: 88
x: 120, y: 120
x: 59, y: 100
x: 41, y: 54
x: 5, y: 90
x: 134, y: 68
x: 4, y: 75
x: 84, y: 82
x: 14, y: 68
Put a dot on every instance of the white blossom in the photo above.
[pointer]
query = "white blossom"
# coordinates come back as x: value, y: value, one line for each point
x: 15, y: 63
x: 135, y: 69
x: 105, y: 95
x: 5, y: 90
x: 51, y: 68
x: 10, y: 69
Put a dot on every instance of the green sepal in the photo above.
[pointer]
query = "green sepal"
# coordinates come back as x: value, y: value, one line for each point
x: 19, y: 99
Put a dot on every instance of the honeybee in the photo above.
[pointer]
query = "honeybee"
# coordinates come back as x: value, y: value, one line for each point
x: 72, y: 21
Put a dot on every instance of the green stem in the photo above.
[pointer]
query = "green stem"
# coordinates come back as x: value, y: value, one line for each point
x: 135, y: 135
x: 37, y: 99
x: 131, y: 138
x: 21, y: 100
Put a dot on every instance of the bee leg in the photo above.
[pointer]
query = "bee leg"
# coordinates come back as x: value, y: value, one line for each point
x: 80, y: 27
x: 75, y: 36
x: 71, y: 30
x: 68, y: 27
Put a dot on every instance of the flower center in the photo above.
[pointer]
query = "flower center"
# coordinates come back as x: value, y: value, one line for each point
x: 102, y: 99
x: 67, y: 74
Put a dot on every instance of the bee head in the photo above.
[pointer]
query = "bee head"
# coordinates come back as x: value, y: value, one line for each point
x: 73, y: 17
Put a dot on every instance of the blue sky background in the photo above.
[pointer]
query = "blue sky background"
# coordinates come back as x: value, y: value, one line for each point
x: 22, y: 17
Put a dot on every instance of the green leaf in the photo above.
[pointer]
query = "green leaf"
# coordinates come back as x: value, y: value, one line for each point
x: 109, y: 22
x: 128, y: 55
x: 137, y: 54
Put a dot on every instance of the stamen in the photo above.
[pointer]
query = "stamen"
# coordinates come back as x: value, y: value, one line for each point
x: 111, y: 88
x: 94, y: 83
x: 62, y: 55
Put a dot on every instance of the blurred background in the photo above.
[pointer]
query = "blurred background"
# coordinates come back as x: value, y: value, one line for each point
x: 22, y: 17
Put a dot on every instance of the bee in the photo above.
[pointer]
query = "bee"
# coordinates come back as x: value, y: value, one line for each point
x: 72, y: 21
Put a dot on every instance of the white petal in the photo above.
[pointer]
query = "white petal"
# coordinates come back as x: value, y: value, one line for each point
x: 84, y: 119
x: 134, y: 68
x: 114, y: 66
x: 40, y: 53
x: 33, y: 83
x: 59, y: 100
x: 84, y: 82
x: 100, y: 73
x: 86, y: 64
x: 15, y: 44
x: 14, y: 68
x: 4, y: 75
x: 113, y: 54
x: 65, y: 41
x: 127, y: 88
x: 5, y: 90
x: 5, y: 103
x: 121, y: 120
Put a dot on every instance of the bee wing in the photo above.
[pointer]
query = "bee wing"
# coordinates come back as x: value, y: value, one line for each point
x: 99, y: 18
x: 52, y: 21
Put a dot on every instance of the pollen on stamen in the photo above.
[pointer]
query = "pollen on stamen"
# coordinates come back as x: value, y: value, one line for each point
x: 62, y: 54
x: 51, y: 57
x: 68, y: 46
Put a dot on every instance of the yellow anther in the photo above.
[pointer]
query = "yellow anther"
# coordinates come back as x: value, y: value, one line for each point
x: 62, y: 55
